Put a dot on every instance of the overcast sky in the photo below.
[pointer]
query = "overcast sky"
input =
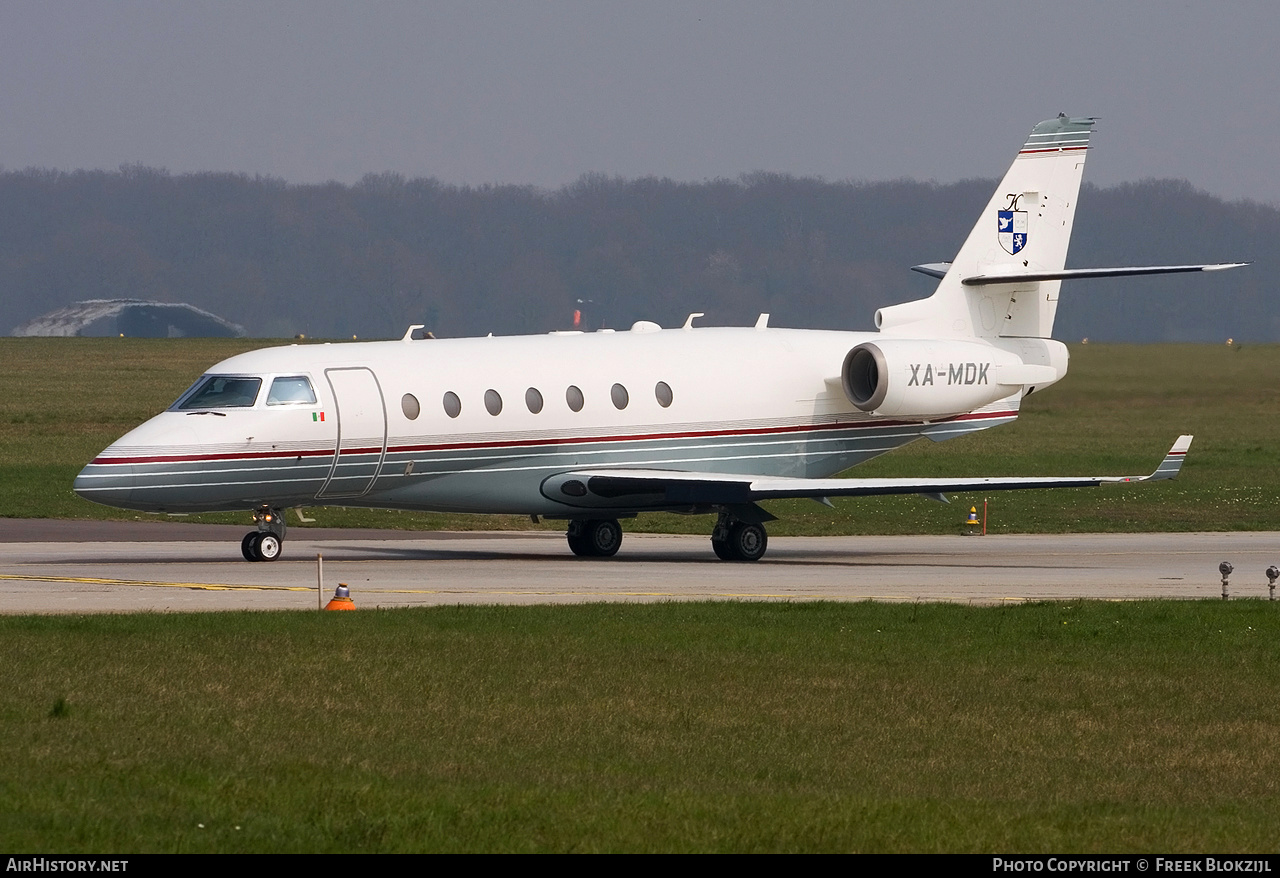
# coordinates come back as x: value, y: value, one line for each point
x: 542, y: 92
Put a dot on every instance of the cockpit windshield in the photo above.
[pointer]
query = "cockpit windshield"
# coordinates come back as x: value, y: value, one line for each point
x: 220, y: 392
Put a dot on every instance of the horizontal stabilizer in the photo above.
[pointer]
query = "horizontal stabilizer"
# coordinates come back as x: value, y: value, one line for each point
x: 646, y: 489
x: 1015, y: 277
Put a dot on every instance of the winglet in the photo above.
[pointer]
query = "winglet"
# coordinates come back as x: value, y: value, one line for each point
x: 1172, y: 462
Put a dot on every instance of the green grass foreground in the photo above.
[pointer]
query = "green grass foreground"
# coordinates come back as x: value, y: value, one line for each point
x: 62, y: 400
x: 1083, y: 727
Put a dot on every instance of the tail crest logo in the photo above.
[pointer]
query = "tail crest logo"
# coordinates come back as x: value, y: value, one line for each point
x: 1011, y: 225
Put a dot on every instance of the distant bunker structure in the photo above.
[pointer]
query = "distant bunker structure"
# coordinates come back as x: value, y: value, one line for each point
x: 133, y: 318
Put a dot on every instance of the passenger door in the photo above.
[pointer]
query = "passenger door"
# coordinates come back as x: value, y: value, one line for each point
x: 362, y: 432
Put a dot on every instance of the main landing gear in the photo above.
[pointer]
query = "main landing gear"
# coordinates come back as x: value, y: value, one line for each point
x: 732, y: 539
x: 735, y: 540
x: 265, y: 543
x: 595, y: 538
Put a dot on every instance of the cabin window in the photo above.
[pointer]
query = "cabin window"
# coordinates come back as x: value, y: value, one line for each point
x: 533, y: 399
x: 452, y: 405
x: 221, y: 392
x: 662, y: 390
x: 492, y: 402
x: 573, y: 396
x: 292, y: 390
x: 409, y: 405
x: 620, y: 397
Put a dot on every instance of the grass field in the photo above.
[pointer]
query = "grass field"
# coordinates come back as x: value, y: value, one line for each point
x: 1117, y: 412
x: 1092, y: 727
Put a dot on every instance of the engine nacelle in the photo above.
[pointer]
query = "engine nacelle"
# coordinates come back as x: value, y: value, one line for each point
x: 930, y: 378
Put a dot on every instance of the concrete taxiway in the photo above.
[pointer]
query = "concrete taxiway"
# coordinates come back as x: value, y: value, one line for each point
x: 90, y: 567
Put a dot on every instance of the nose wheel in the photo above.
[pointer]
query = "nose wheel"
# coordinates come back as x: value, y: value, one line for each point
x: 259, y: 546
x: 265, y: 543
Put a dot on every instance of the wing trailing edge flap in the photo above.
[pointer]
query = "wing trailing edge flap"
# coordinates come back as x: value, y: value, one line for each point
x: 644, y: 488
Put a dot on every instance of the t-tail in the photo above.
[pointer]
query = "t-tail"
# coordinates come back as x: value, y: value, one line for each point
x: 982, y: 340
x: 1004, y: 281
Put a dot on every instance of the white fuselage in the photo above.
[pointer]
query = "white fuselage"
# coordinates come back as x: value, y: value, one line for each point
x: 738, y: 400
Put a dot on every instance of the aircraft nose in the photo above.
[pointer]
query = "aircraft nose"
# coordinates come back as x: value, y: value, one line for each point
x: 102, y: 481
x: 134, y: 471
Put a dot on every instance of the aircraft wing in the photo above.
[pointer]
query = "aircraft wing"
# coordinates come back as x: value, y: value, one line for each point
x: 621, y: 488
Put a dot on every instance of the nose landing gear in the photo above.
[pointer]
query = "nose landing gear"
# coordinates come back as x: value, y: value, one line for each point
x: 265, y: 543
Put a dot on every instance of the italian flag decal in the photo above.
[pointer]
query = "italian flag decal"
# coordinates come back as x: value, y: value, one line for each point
x: 317, y: 416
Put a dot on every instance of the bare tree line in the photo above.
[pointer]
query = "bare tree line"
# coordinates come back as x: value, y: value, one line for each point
x: 368, y: 259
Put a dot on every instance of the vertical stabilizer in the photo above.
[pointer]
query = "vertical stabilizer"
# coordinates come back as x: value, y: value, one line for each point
x: 1025, y: 227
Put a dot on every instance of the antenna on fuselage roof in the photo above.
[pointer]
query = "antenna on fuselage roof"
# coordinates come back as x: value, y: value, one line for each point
x: 408, y: 336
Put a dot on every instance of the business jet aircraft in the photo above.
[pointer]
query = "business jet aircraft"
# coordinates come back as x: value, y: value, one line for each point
x: 594, y: 427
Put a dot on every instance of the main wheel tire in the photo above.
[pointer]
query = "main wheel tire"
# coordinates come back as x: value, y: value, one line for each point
x: 578, y: 544
x: 721, y: 548
x: 246, y: 546
x: 267, y: 547
x: 604, y: 537
x: 747, y: 542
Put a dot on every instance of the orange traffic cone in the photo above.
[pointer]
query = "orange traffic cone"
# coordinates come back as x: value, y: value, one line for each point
x: 341, y: 599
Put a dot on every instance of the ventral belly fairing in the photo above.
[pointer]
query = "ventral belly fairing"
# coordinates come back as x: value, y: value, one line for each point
x: 595, y: 427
